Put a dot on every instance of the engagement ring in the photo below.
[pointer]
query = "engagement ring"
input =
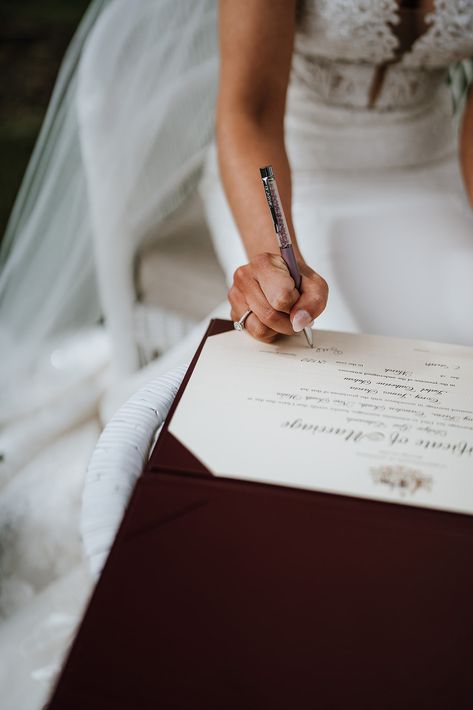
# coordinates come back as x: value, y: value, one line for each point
x: 240, y: 324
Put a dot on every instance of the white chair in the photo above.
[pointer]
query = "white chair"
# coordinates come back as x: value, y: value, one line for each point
x: 118, y: 459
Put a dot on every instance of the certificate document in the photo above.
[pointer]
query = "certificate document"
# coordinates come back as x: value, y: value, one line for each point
x: 360, y: 415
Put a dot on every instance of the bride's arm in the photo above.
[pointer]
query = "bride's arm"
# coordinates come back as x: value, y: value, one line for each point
x: 256, y: 42
x: 466, y: 145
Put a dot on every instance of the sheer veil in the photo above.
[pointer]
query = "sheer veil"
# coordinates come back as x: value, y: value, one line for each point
x: 47, y: 276
x: 121, y: 146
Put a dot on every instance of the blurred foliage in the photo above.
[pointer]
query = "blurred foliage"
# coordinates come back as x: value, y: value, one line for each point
x: 46, y: 12
x: 33, y: 38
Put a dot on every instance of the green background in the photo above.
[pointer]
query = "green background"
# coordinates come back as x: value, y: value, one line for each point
x: 34, y: 34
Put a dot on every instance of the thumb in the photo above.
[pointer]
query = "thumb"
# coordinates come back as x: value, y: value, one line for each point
x: 311, y: 303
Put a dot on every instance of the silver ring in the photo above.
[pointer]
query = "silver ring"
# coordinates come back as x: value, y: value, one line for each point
x: 240, y: 324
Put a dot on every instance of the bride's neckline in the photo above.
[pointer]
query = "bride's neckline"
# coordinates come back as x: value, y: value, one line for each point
x: 412, y: 23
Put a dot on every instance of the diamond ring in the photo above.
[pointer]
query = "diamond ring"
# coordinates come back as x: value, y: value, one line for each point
x: 240, y: 324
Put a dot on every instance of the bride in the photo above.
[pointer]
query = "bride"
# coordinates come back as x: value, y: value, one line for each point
x: 369, y: 154
x: 348, y: 101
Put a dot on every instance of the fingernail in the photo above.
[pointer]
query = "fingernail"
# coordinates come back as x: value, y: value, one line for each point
x: 301, y: 320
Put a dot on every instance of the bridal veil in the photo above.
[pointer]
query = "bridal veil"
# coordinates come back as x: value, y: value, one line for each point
x: 121, y: 146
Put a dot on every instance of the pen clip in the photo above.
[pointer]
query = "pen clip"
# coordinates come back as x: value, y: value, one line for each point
x: 269, y: 198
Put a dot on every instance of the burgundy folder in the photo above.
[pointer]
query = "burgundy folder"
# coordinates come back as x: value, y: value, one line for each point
x: 220, y: 593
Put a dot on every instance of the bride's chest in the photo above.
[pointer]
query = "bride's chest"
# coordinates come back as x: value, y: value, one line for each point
x: 422, y: 33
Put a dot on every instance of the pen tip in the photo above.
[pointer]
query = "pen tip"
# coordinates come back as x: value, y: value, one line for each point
x: 309, y: 337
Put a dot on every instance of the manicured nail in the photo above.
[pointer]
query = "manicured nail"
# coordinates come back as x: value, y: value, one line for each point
x: 301, y: 320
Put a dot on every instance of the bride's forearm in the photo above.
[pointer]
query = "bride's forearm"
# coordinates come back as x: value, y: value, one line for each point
x: 466, y: 146
x: 245, y: 144
x: 256, y: 42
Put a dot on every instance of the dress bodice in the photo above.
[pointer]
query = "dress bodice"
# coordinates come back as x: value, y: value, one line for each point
x: 368, y: 86
x: 380, y: 54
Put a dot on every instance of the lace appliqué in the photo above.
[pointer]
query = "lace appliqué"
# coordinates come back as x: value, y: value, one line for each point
x: 345, y: 84
x: 340, y: 42
x: 449, y: 37
x: 360, y: 28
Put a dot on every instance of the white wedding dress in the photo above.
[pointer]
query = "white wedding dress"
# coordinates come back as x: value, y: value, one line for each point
x: 380, y: 211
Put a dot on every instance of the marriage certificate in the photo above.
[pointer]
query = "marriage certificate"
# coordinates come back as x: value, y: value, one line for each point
x: 360, y: 415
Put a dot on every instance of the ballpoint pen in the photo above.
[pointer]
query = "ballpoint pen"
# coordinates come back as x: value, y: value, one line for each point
x: 282, y: 233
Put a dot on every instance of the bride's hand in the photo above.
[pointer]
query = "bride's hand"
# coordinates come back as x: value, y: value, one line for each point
x: 266, y: 287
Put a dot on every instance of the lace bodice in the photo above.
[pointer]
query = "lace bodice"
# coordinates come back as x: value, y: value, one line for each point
x: 343, y: 46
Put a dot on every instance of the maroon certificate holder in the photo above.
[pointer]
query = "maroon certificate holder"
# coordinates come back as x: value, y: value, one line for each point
x: 221, y: 593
